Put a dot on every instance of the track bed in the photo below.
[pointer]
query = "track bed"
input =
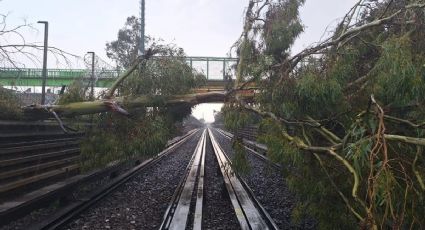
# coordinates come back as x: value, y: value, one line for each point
x: 141, y: 202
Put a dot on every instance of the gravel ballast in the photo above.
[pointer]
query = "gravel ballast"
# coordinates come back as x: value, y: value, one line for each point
x: 141, y: 202
x: 218, y: 212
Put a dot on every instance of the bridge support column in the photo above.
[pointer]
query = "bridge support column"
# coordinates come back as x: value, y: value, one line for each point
x: 208, y: 69
x: 224, y: 70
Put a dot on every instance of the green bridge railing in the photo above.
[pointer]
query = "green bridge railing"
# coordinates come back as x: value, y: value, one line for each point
x: 55, y: 77
x: 104, y: 78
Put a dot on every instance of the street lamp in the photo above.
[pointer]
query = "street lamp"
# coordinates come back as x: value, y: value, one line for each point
x: 142, y: 29
x: 46, y: 37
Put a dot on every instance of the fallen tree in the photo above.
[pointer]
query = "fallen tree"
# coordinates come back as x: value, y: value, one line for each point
x: 116, y: 104
x: 346, y: 114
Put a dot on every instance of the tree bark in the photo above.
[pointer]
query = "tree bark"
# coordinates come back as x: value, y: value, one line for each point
x: 107, y: 105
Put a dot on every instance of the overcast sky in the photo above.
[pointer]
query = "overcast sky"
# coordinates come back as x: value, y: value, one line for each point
x: 201, y: 27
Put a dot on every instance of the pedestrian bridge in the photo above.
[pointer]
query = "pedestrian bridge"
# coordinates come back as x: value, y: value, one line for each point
x: 217, y: 70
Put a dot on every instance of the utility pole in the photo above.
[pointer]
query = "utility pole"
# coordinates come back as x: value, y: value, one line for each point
x: 142, y: 29
x: 92, y: 75
x: 46, y: 37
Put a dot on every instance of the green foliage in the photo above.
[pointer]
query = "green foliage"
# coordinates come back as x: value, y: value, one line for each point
x: 240, y: 162
x: 235, y: 117
x: 115, y: 138
x: 165, y: 76
x: 270, y: 38
x: 280, y: 151
x: 304, y: 176
x: 282, y: 26
x: 399, y: 77
x: 248, y: 56
x: 155, y: 78
x: 146, y: 130
x: 76, y: 93
x: 335, y: 88
x: 9, y: 105
x: 320, y: 96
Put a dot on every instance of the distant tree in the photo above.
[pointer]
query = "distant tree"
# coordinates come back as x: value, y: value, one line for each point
x: 124, y: 49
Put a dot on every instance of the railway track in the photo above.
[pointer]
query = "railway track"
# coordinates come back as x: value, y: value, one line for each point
x: 21, y: 176
x: 34, y: 156
x: 186, y: 210
x: 190, y: 185
x: 72, y: 211
x: 26, y: 164
x: 256, y: 149
x: 266, y: 180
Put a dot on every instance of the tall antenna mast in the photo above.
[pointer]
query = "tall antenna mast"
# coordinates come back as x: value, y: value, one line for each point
x: 142, y: 29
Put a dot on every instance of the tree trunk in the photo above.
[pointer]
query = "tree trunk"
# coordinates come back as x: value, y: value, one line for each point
x: 114, y: 104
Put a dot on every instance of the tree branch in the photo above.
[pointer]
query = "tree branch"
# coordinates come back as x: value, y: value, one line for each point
x: 405, y: 139
x: 121, y: 78
x: 328, y: 43
x: 403, y: 121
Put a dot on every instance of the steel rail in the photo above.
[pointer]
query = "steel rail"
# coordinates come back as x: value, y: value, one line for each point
x: 251, y: 214
x: 197, y: 222
x: 65, y: 215
x: 252, y: 147
x: 177, y: 213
